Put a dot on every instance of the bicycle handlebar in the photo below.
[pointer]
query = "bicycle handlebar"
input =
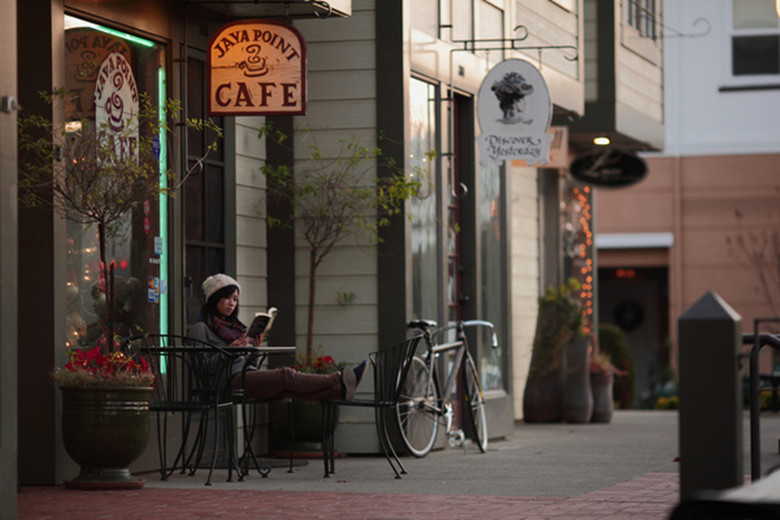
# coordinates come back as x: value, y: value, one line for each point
x: 424, y: 325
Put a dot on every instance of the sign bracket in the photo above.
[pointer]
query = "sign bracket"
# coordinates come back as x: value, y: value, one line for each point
x: 489, y: 44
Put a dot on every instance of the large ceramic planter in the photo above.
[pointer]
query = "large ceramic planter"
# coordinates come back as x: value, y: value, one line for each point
x: 542, y: 398
x: 556, y: 326
x: 577, y: 399
x: 104, y: 430
x: 306, y: 434
x: 603, y: 404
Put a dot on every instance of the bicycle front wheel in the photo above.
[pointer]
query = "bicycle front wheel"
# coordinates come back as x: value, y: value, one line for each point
x: 474, y: 404
x: 416, y: 410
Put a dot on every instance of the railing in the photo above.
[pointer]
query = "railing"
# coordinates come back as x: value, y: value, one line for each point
x: 759, y: 340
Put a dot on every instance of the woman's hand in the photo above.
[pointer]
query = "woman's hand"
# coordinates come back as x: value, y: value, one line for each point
x: 243, y: 341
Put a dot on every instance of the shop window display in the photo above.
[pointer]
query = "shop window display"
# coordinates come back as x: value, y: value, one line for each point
x: 107, y: 72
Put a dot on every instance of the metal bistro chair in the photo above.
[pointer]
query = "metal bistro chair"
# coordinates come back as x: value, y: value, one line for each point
x: 389, y: 369
x: 191, y: 380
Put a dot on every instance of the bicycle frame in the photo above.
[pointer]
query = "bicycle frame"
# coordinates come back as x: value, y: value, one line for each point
x: 444, y: 405
x: 424, y: 405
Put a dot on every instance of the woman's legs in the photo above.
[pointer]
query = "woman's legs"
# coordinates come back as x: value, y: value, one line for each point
x: 285, y: 382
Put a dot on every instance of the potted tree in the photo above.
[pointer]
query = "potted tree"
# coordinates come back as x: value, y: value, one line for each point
x: 558, y: 336
x: 93, y: 171
x: 331, y: 198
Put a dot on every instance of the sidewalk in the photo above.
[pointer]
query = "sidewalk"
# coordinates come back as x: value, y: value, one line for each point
x: 623, y: 470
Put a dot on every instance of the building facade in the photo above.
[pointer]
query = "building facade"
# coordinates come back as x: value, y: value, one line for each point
x: 481, y: 241
x: 705, y: 218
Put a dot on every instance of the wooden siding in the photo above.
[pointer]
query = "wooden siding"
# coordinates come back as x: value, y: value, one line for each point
x: 524, y: 274
x: 640, y: 84
x: 548, y: 24
x: 342, y: 105
x: 639, y: 68
x: 251, y: 242
x: 591, y: 57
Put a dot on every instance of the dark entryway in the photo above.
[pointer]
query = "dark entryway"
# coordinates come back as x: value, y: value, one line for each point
x: 637, y: 301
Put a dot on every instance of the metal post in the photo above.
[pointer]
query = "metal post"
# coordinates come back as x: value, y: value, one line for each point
x: 755, y: 408
x: 710, y: 420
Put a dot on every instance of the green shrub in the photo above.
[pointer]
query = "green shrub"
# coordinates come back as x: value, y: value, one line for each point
x: 613, y: 342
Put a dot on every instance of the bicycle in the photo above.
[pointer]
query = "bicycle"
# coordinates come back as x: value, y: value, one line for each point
x: 420, y: 408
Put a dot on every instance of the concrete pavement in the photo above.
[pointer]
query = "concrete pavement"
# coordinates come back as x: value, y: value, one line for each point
x: 625, y: 469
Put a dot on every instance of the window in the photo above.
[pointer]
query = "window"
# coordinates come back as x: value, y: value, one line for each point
x: 755, y: 41
x: 425, y: 236
x: 641, y: 16
x: 490, y: 221
x: 137, y: 242
x: 204, y: 196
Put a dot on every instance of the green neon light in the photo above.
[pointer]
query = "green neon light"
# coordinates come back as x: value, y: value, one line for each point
x: 163, y: 203
x: 124, y: 35
x: 72, y: 22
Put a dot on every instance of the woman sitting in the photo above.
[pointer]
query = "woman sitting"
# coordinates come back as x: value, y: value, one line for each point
x: 219, y: 325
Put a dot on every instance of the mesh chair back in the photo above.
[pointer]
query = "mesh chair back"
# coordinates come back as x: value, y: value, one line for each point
x: 189, y: 374
x: 390, y: 368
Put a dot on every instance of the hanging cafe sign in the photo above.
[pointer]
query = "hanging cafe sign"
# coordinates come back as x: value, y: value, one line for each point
x: 256, y: 67
x: 514, y: 111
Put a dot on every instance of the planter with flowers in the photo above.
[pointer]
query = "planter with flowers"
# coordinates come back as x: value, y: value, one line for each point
x: 94, y: 169
x: 105, y: 416
x: 601, y: 378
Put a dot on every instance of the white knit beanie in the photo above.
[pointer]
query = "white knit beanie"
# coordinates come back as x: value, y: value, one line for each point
x: 216, y: 282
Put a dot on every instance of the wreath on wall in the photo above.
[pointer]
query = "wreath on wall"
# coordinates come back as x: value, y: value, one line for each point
x: 628, y: 315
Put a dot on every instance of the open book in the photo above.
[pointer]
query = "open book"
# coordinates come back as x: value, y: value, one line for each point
x: 261, y: 323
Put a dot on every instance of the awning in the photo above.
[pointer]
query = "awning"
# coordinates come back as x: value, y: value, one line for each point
x: 634, y: 240
x: 238, y: 9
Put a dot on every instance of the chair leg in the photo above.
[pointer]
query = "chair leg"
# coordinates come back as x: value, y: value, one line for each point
x: 230, y: 431
x: 162, y: 446
x: 387, y: 446
x: 332, y: 437
x: 199, y: 444
x: 291, y: 418
x: 249, y: 419
x: 216, y: 444
x: 326, y: 438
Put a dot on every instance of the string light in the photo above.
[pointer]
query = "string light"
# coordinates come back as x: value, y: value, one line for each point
x: 580, y: 248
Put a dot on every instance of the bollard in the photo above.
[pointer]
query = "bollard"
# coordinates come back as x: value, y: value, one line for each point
x: 710, y: 417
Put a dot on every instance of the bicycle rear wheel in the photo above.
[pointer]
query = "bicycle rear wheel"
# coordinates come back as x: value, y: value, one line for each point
x: 474, y: 404
x: 416, y: 410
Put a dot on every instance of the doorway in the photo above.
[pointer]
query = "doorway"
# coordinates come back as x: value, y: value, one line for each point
x: 636, y: 299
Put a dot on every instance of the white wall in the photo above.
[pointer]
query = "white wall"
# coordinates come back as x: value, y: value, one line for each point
x: 700, y: 120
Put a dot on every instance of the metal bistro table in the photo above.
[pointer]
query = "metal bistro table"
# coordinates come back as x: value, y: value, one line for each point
x: 239, y: 396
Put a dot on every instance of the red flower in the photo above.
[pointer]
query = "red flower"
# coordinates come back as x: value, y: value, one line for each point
x: 99, y: 367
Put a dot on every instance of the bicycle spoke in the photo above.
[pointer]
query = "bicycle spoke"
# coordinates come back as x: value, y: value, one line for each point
x: 415, y: 411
